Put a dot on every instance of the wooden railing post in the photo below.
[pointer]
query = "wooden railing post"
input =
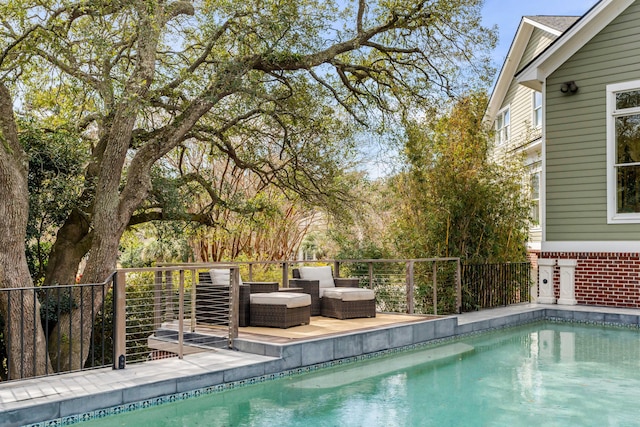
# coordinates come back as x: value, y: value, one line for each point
x: 370, y: 275
x: 285, y: 274
x: 435, y: 288
x: 251, y: 272
x: 410, y: 282
x: 234, y: 304
x: 119, y: 320
x: 336, y: 268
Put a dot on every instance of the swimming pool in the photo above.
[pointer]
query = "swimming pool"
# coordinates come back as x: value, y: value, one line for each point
x: 543, y: 374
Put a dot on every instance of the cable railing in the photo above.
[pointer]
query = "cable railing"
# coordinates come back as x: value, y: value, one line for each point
x: 144, y: 314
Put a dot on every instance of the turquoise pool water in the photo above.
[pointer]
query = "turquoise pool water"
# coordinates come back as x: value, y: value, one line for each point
x: 544, y: 374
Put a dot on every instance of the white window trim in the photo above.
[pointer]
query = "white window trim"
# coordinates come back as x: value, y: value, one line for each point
x: 533, y: 110
x: 500, y: 113
x: 538, y: 170
x: 613, y: 217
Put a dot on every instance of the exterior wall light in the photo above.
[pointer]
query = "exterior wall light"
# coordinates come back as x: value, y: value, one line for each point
x: 569, y: 87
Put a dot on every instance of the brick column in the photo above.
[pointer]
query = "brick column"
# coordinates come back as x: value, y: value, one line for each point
x: 567, y: 281
x: 545, y: 284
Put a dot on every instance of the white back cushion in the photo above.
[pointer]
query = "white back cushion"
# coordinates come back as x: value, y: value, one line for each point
x: 321, y: 274
x: 221, y: 276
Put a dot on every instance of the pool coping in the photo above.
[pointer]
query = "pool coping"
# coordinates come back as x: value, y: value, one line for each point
x: 71, y: 398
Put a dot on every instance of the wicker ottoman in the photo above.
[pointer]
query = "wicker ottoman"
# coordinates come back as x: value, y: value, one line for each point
x: 348, y: 303
x: 280, y: 309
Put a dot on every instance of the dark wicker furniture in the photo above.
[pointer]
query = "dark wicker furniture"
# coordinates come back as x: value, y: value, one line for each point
x: 212, y: 304
x: 334, y: 307
x: 263, y: 287
x: 311, y: 287
x: 212, y: 301
x: 274, y: 313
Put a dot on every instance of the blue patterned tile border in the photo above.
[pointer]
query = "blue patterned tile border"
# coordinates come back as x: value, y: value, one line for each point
x: 218, y: 388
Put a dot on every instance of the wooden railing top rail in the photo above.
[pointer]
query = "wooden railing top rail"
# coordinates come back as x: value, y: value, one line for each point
x: 382, y: 260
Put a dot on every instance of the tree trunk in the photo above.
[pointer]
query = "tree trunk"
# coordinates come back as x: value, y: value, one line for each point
x: 109, y: 218
x: 24, y: 336
x: 71, y: 245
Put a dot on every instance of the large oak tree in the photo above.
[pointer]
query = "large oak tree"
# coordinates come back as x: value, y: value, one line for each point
x: 138, y: 78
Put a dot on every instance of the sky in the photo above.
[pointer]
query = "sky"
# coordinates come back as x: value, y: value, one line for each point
x: 506, y: 14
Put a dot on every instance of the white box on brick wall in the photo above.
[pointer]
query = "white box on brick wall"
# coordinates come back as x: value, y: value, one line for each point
x: 545, y: 284
x: 567, y: 281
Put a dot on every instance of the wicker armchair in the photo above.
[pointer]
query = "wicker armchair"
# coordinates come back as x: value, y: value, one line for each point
x: 213, y: 296
x: 212, y: 302
x: 343, y: 299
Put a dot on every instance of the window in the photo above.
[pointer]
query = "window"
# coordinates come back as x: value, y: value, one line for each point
x: 534, y: 185
x: 537, y: 109
x: 502, y: 126
x: 623, y: 152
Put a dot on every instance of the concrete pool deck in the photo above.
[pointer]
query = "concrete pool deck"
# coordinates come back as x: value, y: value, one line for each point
x: 69, y: 398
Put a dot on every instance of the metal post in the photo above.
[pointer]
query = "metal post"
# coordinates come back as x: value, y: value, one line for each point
x: 370, y: 275
x: 168, y: 292
x: 119, y: 320
x: 181, y: 315
x: 157, y: 300
x: 410, y: 281
x: 234, y: 304
x: 194, y: 273
x: 435, y: 288
x: 459, y: 287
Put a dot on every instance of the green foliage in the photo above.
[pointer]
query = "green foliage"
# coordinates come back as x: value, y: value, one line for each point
x: 452, y: 201
x: 55, y: 180
x: 157, y: 241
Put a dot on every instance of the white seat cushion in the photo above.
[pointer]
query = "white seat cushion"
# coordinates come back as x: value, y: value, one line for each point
x: 221, y: 276
x: 322, y: 274
x: 350, y: 294
x: 290, y: 299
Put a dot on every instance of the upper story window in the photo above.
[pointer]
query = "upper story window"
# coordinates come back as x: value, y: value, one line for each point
x: 503, y: 125
x: 535, y: 199
x: 537, y: 109
x: 623, y: 152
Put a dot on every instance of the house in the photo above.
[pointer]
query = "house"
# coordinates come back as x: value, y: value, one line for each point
x: 516, y: 114
x: 589, y: 78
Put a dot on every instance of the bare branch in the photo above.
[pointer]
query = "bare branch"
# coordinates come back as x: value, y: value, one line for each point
x: 337, y: 97
x: 17, y: 41
x: 361, y: 7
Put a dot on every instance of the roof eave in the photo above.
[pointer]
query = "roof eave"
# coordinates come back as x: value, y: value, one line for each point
x: 510, y: 66
x: 595, y: 20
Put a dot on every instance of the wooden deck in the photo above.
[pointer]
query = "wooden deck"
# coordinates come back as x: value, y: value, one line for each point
x: 319, y: 327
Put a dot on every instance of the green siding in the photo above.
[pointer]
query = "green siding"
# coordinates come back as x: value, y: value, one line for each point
x: 576, y: 206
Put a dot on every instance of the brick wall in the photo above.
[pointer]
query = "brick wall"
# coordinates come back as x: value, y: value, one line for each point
x: 532, y: 256
x: 603, y: 278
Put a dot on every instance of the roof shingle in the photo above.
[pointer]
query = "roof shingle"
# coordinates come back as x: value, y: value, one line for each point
x: 559, y: 23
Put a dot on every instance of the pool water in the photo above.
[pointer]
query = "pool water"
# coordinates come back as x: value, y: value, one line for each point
x: 543, y: 374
